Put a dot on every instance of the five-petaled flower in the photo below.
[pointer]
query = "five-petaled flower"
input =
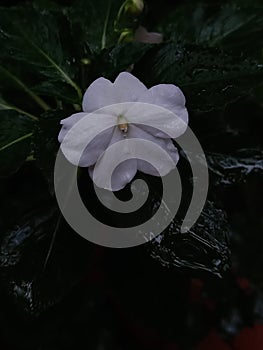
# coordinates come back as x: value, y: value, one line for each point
x: 121, y: 111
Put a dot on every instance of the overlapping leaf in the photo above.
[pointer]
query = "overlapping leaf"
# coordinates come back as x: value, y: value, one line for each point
x: 228, y: 169
x: 237, y: 27
x: 210, y: 78
x: 16, y: 131
x: 39, y: 45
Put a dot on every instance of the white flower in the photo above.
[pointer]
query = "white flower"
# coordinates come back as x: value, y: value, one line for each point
x: 121, y: 111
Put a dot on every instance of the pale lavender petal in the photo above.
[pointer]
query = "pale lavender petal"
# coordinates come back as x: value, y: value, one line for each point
x: 143, y: 36
x: 99, y: 94
x: 121, y: 176
x: 96, y: 147
x: 155, y: 132
x: 81, y: 137
x: 128, y: 88
x: 147, y: 168
x: 117, y: 136
x: 123, y: 173
x: 166, y: 144
x: 168, y: 96
x: 67, y: 124
x: 157, y: 117
x: 102, y: 92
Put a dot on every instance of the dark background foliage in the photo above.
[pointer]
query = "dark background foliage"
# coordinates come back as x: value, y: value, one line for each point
x: 198, y: 291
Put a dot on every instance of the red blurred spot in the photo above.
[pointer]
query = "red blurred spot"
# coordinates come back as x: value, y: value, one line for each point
x: 195, y: 292
x: 249, y: 338
x: 244, y: 284
x: 209, y: 304
x: 213, y: 341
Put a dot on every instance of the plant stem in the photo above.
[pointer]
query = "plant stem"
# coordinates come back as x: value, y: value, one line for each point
x: 35, y: 97
x: 103, y: 39
x: 16, y: 141
x: 7, y: 106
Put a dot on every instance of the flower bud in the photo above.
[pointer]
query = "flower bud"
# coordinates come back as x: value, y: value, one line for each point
x: 134, y: 7
x: 126, y: 36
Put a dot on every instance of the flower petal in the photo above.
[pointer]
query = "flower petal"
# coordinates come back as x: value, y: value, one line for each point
x: 158, y: 120
x: 168, y: 96
x: 96, y: 147
x: 99, y: 94
x: 67, y: 124
x: 122, y: 175
x: 85, y: 136
x: 143, y: 36
x: 128, y: 88
x: 102, y: 92
x: 166, y: 144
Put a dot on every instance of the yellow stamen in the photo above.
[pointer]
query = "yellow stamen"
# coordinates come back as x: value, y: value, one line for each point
x: 123, y: 124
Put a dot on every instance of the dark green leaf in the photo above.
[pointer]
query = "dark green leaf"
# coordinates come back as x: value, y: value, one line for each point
x: 36, y: 38
x: 34, y: 283
x: 98, y: 21
x: 203, y: 248
x: 63, y: 92
x: 16, y: 81
x: 45, y: 143
x: 16, y: 131
x: 228, y: 169
x: 235, y: 27
x: 210, y: 78
x: 109, y: 63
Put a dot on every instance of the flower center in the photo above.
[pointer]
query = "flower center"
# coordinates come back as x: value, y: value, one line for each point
x: 123, y: 125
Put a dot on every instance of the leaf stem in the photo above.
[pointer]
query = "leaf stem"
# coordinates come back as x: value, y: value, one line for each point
x: 16, y: 141
x: 54, y: 235
x: 7, y: 106
x: 53, y: 239
x: 63, y: 74
x: 103, y: 39
x: 35, y: 97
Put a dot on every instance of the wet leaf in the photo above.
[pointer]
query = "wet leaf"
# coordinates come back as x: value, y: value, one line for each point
x: 122, y: 57
x: 39, y: 43
x: 210, y: 78
x: 16, y: 131
x: 33, y: 282
x: 45, y: 143
x: 203, y: 248
x: 229, y: 169
x: 98, y: 21
x: 233, y: 26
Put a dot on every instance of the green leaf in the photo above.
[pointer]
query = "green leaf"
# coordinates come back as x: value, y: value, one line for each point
x: 98, y: 21
x: 33, y: 285
x: 203, y: 248
x: 45, y: 143
x: 229, y: 169
x: 63, y: 92
x: 16, y: 131
x: 23, y: 87
x: 37, y: 39
x: 4, y: 105
x: 236, y: 27
x: 210, y: 78
x: 109, y: 63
